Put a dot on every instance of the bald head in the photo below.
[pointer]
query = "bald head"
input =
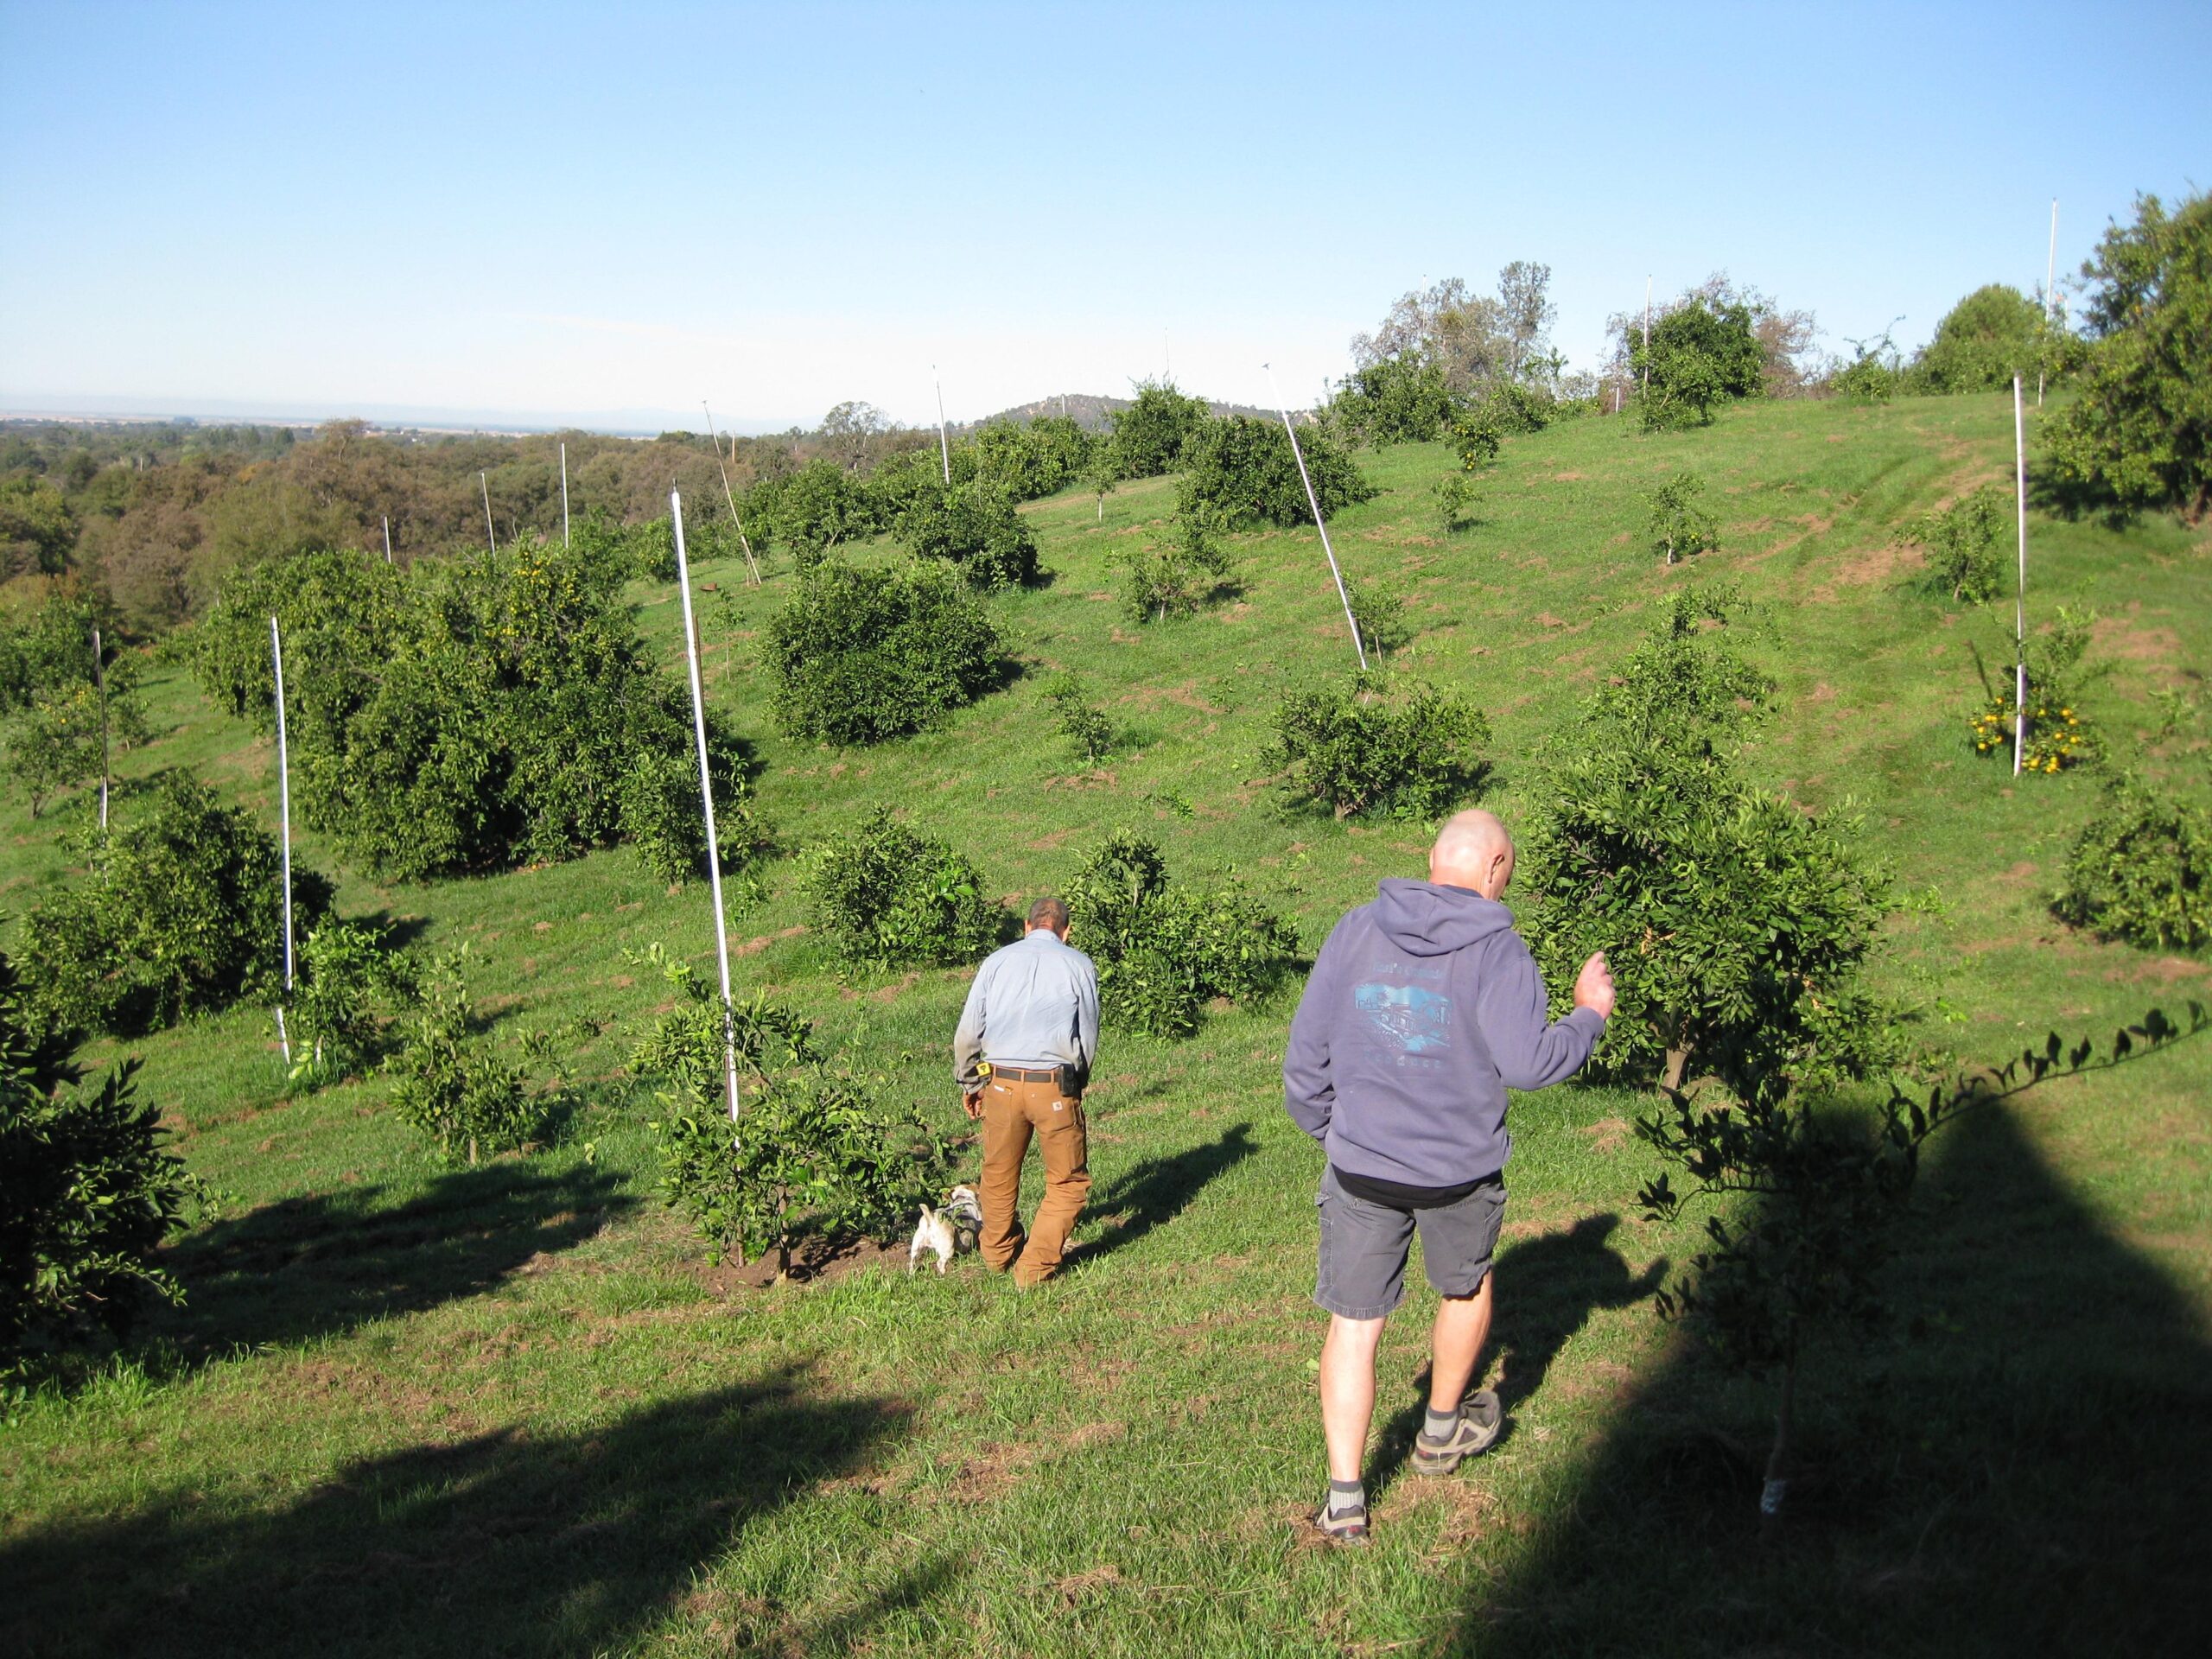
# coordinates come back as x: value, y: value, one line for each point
x: 1473, y: 851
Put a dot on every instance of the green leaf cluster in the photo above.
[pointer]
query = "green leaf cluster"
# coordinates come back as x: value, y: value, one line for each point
x: 974, y: 528
x: 52, y: 711
x: 1173, y: 578
x: 2141, y: 869
x: 1994, y: 334
x: 451, y: 1086
x: 1079, y: 719
x: 865, y: 655
x: 2140, y: 434
x: 1151, y: 435
x: 1680, y: 525
x: 1403, y: 398
x: 1735, y: 924
x: 1241, y: 470
x: 883, y: 894
x: 1164, y: 951
x: 89, y: 1193
x: 182, y: 913
x: 497, y: 711
x: 1702, y: 354
x: 350, y: 982
x: 1961, y: 543
x: 1365, y: 747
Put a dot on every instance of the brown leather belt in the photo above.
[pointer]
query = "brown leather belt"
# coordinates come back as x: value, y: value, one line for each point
x: 1015, y: 1074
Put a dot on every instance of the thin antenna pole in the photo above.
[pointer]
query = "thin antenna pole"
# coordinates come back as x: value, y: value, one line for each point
x: 2020, y: 596
x: 707, y: 802
x: 100, y: 684
x: 387, y: 539
x: 744, y: 541
x: 1647, y: 334
x: 489, y: 533
x: 284, y: 812
x: 944, y: 444
x: 564, y: 492
x: 1314, y: 501
x: 2050, y: 282
x: 1167, y: 359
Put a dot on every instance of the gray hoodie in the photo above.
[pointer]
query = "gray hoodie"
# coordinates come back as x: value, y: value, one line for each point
x: 1422, y: 1009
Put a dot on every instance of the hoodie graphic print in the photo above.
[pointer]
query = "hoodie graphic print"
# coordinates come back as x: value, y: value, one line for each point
x: 1422, y: 1009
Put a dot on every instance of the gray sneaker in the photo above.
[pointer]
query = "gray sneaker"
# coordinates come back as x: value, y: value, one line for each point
x: 1481, y: 1417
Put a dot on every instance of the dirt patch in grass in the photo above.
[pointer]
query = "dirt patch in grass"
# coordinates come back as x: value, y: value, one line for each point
x: 1608, y: 1135
x: 1864, y: 568
x: 2131, y: 642
x: 754, y: 947
x: 814, y: 1261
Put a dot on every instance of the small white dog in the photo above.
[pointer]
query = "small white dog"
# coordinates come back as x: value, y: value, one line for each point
x: 948, y: 1230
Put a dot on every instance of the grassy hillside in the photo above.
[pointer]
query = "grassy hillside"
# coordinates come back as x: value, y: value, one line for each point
x: 412, y: 1409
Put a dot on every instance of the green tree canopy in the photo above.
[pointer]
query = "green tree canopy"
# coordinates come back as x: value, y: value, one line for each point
x: 1985, y: 339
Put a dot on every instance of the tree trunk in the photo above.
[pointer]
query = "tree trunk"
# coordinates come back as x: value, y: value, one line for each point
x: 472, y: 1151
x: 1678, y: 1062
x: 1778, y: 1457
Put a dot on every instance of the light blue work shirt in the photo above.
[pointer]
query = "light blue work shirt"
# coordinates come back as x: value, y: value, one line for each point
x: 1034, y: 1005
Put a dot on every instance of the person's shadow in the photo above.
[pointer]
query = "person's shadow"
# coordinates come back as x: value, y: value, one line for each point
x: 1158, y: 1190
x: 1552, y: 1284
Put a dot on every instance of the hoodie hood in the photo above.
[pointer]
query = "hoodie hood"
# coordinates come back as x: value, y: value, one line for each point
x: 1424, y: 920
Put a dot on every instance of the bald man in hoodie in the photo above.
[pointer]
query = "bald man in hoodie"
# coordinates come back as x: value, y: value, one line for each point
x: 1422, y: 1009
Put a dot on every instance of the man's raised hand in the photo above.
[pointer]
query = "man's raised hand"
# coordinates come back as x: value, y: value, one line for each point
x: 1593, y: 986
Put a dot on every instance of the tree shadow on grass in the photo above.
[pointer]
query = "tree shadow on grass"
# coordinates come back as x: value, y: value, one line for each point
x: 507, y: 1542
x: 2017, y: 1467
x: 1547, y: 1290
x: 330, y: 1262
x: 1159, y: 1189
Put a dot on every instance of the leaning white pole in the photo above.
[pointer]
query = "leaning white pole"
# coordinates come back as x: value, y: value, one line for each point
x: 944, y: 444
x: 564, y: 494
x: 387, y: 539
x: 1314, y: 501
x: 707, y: 802
x: 2020, y: 593
x: 744, y: 541
x: 284, y: 812
x: 490, y: 534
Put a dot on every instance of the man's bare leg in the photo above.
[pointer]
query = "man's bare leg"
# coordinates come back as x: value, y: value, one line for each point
x: 1348, y: 1391
x: 1455, y: 1346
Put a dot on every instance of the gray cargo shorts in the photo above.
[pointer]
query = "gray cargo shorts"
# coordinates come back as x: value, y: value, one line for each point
x: 1363, y: 1247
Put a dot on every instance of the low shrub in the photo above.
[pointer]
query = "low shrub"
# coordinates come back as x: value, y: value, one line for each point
x: 2058, y: 738
x: 1379, y: 611
x: 451, y: 1086
x: 1456, y: 499
x: 813, y: 1150
x: 1703, y: 353
x: 1400, y: 399
x: 1078, y: 720
x: 1961, y: 543
x: 90, y: 1193
x: 1033, y: 459
x: 886, y: 895
x: 1239, y: 470
x: 974, y: 527
x: 659, y: 804
x: 1680, y: 526
x: 1163, y: 952
x: 183, y: 913
x: 2141, y: 870
x: 350, y: 982
x: 1169, y: 579
x: 865, y: 655
x: 1363, y: 749
x: 1150, y: 436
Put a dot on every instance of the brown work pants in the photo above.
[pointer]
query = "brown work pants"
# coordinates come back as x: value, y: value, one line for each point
x: 1012, y: 1113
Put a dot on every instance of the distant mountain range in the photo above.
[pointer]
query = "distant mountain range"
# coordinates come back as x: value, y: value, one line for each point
x: 1092, y: 412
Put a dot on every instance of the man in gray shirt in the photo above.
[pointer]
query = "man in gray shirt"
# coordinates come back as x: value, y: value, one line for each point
x: 1021, y: 1057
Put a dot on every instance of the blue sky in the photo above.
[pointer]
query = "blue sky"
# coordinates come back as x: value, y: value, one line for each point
x: 576, y: 210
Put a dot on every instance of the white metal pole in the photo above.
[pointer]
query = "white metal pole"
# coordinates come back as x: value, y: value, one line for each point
x: 387, y: 539
x: 284, y: 812
x: 707, y: 802
x: 564, y: 492
x: 491, y: 535
x: 1314, y: 501
x: 2020, y: 594
x: 2050, y: 282
x: 99, y: 685
x: 944, y: 444
x: 744, y: 541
